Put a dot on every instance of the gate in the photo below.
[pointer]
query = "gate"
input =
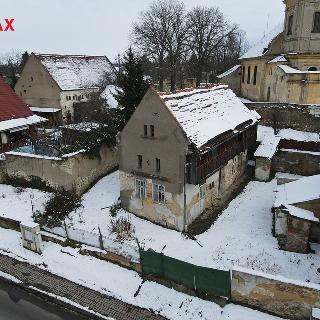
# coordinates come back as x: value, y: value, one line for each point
x: 200, y: 279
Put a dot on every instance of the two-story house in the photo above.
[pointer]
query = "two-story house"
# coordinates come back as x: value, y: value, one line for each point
x: 52, y: 84
x: 182, y: 151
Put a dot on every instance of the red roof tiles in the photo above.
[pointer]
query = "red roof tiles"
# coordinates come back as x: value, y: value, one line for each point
x: 11, y: 106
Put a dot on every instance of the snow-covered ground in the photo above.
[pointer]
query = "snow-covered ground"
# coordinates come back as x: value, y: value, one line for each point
x: 289, y: 134
x: 242, y: 236
x: 121, y: 283
x: 19, y: 203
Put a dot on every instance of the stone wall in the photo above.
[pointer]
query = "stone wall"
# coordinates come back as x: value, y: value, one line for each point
x: 77, y: 171
x: 298, y: 117
x: 293, y: 300
x: 302, y: 163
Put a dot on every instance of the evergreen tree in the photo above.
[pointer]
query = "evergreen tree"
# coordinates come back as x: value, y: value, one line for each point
x: 132, y: 85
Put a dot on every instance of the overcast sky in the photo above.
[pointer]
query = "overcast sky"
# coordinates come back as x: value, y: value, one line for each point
x: 103, y: 26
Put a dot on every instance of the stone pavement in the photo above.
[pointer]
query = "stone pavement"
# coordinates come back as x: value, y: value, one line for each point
x: 95, y: 301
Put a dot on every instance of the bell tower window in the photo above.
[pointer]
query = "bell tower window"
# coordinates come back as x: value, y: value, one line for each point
x: 290, y: 23
x: 316, y: 23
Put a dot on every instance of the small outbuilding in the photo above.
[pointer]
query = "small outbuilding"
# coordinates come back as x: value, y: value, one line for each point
x: 297, y: 213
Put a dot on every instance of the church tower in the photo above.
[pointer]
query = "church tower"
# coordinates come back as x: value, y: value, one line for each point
x: 302, y: 26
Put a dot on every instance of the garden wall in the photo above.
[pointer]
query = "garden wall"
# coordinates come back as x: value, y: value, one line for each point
x: 284, y: 115
x: 75, y: 171
x: 276, y: 295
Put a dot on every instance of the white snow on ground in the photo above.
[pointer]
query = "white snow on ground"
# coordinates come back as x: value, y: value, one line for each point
x: 242, y: 236
x: 288, y: 134
x: 121, y: 283
x: 19, y: 203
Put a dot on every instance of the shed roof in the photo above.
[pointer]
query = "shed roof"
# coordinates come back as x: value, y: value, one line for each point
x: 302, y: 190
x: 207, y: 113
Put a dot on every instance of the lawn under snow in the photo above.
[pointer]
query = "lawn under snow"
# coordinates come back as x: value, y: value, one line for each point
x: 19, y: 204
x: 121, y: 283
x: 242, y: 236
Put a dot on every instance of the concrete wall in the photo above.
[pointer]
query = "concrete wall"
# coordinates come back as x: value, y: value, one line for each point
x: 306, y: 164
x: 274, y: 295
x: 298, y: 117
x: 78, y: 171
x: 233, y: 81
x: 263, y: 169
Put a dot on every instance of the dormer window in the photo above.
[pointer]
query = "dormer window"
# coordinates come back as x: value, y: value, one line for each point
x: 290, y: 23
x: 316, y: 23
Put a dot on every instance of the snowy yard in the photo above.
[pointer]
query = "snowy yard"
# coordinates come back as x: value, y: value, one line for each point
x: 121, y: 283
x: 242, y: 236
x: 19, y: 203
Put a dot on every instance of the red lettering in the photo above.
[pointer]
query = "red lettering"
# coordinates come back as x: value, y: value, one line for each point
x: 9, y: 24
x: 1, y: 27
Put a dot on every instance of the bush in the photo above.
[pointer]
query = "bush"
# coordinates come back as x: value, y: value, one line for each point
x: 58, y: 208
x: 123, y: 229
x: 114, y: 209
x: 32, y: 182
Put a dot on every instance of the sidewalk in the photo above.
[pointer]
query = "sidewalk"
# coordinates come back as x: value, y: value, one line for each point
x: 105, y: 305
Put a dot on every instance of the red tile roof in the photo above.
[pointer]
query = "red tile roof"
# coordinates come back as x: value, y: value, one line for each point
x: 11, y: 106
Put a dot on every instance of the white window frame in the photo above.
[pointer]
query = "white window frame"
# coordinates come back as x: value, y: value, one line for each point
x: 140, y: 189
x: 158, y: 190
x: 202, y: 190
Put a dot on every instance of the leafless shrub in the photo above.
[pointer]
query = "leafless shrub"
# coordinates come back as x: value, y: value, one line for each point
x: 122, y: 228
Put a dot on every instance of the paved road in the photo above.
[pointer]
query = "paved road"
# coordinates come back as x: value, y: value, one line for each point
x: 16, y: 304
x: 95, y: 301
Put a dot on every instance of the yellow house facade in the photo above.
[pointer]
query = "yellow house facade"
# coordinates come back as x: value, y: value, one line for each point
x: 285, y: 65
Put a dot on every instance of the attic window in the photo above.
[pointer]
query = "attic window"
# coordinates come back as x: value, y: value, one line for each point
x: 290, y: 22
x: 316, y: 23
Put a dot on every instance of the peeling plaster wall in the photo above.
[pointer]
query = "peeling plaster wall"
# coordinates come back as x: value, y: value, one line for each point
x: 77, y: 171
x: 171, y: 213
x: 274, y: 295
x: 263, y: 168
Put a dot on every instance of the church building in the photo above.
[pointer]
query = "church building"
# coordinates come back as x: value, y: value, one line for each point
x: 285, y: 65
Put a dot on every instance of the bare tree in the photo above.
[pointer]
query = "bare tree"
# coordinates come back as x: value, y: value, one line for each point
x: 151, y: 33
x: 207, y: 29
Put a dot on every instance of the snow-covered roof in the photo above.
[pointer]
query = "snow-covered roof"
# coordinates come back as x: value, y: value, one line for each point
x: 206, y: 113
x: 73, y: 72
x: 261, y: 46
x: 277, y: 59
x: 301, y: 213
x: 268, y: 147
x: 20, y: 123
x: 107, y: 95
x: 304, y: 189
x: 44, y: 109
x: 289, y: 70
x: 229, y: 71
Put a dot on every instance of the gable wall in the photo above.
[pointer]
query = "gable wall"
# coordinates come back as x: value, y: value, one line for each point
x: 42, y: 91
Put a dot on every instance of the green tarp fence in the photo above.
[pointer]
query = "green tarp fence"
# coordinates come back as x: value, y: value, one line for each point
x: 202, y: 280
